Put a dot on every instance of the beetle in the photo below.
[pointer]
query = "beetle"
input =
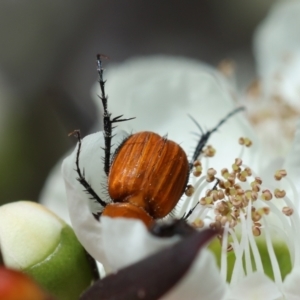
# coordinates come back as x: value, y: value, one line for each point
x: 147, y: 174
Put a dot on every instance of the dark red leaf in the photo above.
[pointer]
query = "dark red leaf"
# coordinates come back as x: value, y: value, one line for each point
x: 153, y: 276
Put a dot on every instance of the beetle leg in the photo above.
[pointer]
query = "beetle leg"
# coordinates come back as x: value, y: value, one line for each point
x: 205, y: 136
x: 107, y: 121
x: 81, y: 175
x: 187, y: 215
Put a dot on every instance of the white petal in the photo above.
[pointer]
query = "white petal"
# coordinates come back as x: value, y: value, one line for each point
x: 126, y: 241
x: 203, y: 281
x: 87, y: 229
x: 291, y: 285
x: 292, y: 161
x: 277, y: 51
x: 53, y: 195
x: 133, y: 242
x: 256, y: 286
x: 160, y: 92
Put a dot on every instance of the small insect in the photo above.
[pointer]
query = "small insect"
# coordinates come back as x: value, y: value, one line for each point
x: 147, y: 174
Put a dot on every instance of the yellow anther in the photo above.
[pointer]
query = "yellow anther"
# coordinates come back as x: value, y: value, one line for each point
x: 235, y: 168
x: 266, y: 195
x: 197, y: 171
x: 251, y: 195
x: 189, y: 190
x: 197, y: 174
x: 208, y: 200
x: 248, y: 171
x: 255, y: 186
x: 256, y: 231
x: 229, y: 248
x: 197, y: 163
x: 244, y: 174
x: 256, y: 216
x: 232, y: 192
x: 198, y: 223
x: 236, y: 201
x: 288, y: 211
x: 240, y: 192
x: 227, y: 184
x: 235, y: 213
x: 210, y: 178
x: 220, y: 194
x: 231, y: 179
x: 266, y: 210
x: 238, y: 162
x: 202, y: 201
x: 280, y: 174
x: 225, y: 173
x: 247, y: 142
x: 208, y: 192
x: 209, y: 151
x: 222, y: 184
x: 241, y: 141
x: 258, y: 180
x: 279, y: 193
x: 241, y: 177
x: 214, y: 195
x: 248, y: 194
x: 211, y: 172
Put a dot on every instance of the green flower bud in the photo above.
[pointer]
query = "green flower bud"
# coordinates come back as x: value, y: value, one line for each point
x: 37, y: 242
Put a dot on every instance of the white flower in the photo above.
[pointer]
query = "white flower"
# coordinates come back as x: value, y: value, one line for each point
x: 277, y: 51
x: 53, y: 195
x: 160, y: 93
x: 273, y: 104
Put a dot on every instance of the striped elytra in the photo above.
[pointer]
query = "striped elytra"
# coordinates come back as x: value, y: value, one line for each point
x: 147, y: 177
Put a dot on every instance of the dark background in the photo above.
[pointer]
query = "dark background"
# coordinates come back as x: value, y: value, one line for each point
x: 47, y: 66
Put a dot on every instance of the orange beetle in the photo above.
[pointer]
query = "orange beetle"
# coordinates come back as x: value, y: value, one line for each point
x: 147, y: 174
x: 147, y: 177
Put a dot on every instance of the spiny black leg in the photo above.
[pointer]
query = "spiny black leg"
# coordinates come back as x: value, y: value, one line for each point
x: 81, y: 177
x: 205, y: 136
x: 186, y: 216
x: 107, y: 121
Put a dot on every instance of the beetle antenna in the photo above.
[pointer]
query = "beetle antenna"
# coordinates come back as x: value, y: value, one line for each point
x: 196, y: 123
x: 226, y: 118
x: 107, y: 121
x: 205, y: 136
x: 81, y: 177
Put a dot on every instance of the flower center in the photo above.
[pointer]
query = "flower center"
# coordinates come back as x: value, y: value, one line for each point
x: 257, y: 224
